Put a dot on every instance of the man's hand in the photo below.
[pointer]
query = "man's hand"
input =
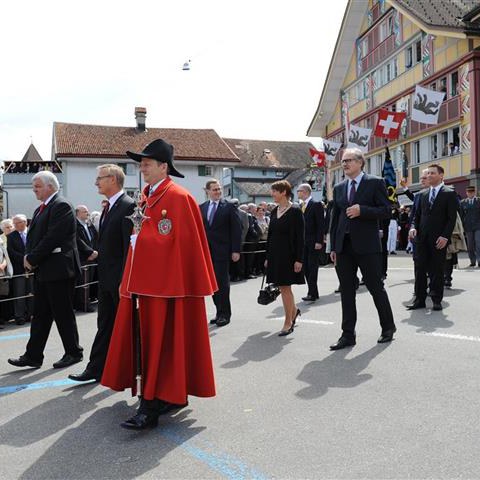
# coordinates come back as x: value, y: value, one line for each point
x: 318, y: 246
x: 333, y: 257
x: 93, y: 256
x: 412, y: 233
x: 441, y: 242
x: 26, y: 264
x: 297, y: 267
x: 353, y: 211
x: 235, y: 257
x: 404, y: 183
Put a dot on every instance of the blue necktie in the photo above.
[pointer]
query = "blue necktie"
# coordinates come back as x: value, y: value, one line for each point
x: 351, y: 195
x: 212, y: 213
x: 432, y: 197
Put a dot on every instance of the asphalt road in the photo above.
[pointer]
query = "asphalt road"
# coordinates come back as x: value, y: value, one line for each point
x: 286, y: 407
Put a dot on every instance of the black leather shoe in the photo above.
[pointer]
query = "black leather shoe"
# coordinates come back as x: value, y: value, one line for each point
x: 437, y: 306
x: 416, y: 305
x: 166, y: 407
x: 386, y: 336
x: 309, y: 298
x: 67, y: 360
x: 140, y: 421
x: 85, y: 376
x: 222, y: 321
x: 24, y: 361
x: 20, y: 321
x: 343, y: 342
x: 213, y: 321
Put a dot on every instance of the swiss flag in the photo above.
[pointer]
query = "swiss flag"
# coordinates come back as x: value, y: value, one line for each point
x: 318, y: 157
x: 388, y: 124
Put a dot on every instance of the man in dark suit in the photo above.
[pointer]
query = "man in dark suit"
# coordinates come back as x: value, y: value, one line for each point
x: 22, y: 285
x: 432, y: 228
x: 113, y: 242
x: 51, y: 252
x: 470, y: 210
x: 360, y: 203
x: 87, y: 245
x: 224, y: 231
x: 314, y: 215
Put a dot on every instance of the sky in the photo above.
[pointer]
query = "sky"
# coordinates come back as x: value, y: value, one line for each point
x: 257, y: 66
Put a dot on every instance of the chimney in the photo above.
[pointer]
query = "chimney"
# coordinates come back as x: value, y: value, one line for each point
x: 140, y: 118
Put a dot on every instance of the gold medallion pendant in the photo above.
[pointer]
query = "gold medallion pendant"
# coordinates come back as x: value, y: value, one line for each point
x: 165, y: 224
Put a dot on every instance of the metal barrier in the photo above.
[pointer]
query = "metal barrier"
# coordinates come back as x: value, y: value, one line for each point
x: 84, y: 285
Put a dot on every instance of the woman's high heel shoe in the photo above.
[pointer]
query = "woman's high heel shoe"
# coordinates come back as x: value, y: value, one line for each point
x: 284, y: 333
x: 298, y: 314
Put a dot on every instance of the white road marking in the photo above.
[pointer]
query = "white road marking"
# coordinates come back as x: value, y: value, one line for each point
x: 307, y: 320
x: 452, y: 335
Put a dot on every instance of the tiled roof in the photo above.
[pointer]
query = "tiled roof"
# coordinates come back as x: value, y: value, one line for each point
x: 443, y: 14
x: 270, y: 153
x: 32, y: 155
x: 77, y: 140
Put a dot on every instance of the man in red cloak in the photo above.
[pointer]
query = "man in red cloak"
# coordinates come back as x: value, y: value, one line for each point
x: 170, y: 271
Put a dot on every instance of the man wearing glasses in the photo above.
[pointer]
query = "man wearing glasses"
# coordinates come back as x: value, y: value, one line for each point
x: 113, y: 242
x: 360, y: 202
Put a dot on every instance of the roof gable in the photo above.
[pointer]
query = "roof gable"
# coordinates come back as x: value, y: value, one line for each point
x: 32, y: 155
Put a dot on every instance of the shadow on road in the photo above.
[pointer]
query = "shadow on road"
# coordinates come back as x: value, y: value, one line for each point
x: 99, y: 448
x: 258, y: 348
x: 427, y: 320
x: 335, y: 371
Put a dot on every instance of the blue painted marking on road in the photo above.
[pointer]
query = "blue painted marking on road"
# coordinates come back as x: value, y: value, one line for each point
x: 224, y: 463
x: 13, y: 337
x: 36, y: 386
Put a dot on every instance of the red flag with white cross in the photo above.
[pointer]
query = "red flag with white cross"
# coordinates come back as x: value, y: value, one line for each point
x: 318, y: 157
x: 389, y: 123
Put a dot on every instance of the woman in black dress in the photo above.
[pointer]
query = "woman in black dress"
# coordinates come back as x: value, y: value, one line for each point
x: 285, y: 243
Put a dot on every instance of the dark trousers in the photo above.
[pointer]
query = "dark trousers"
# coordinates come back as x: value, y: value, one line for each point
x: 107, y: 310
x: 23, y: 306
x: 473, y: 246
x: 221, y: 298
x: 53, y: 302
x: 310, y: 264
x: 429, y: 261
x: 371, y: 267
x: 82, y: 294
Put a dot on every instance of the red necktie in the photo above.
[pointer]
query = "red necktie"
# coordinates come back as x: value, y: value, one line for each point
x: 42, y: 208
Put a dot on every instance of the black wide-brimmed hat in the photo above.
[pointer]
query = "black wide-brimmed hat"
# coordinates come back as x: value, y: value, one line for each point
x: 158, y: 150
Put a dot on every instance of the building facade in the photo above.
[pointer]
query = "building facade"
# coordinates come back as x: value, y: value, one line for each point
x: 397, y: 45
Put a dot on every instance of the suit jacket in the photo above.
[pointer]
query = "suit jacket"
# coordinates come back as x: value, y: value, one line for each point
x: 439, y: 220
x: 51, y: 242
x: 85, y: 245
x: 113, y: 242
x: 470, y: 214
x: 16, y: 252
x: 314, y: 216
x: 375, y: 206
x: 224, y: 235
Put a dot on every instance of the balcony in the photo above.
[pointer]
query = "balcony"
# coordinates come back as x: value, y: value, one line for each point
x: 19, y: 174
x: 378, y: 54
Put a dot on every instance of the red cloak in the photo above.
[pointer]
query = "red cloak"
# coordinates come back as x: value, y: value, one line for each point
x: 171, y: 271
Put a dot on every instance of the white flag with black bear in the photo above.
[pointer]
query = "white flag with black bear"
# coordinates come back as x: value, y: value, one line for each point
x: 359, y: 138
x: 426, y: 105
x: 331, y: 148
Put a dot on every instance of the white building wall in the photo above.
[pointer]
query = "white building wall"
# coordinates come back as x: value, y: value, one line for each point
x: 19, y: 200
x: 79, y: 179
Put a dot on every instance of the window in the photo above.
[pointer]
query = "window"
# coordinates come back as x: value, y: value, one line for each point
x: 364, y: 47
x: 454, y: 84
x: 130, y: 169
x: 264, y: 172
x: 416, y: 152
x: 444, y: 144
x: 409, y: 57
x: 434, y: 147
x: 443, y: 85
x: 455, y: 141
x: 433, y: 86
x: 279, y: 174
x: 418, y: 50
x: 204, y: 171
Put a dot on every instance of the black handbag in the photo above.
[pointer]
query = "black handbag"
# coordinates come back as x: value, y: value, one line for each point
x: 268, y: 294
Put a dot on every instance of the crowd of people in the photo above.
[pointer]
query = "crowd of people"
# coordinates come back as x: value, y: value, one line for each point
x: 152, y: 334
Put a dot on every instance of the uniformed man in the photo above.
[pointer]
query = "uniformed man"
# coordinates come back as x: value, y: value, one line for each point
x: 170, y: 270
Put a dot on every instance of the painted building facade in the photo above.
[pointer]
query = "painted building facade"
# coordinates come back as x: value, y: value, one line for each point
x: 397, y: 45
